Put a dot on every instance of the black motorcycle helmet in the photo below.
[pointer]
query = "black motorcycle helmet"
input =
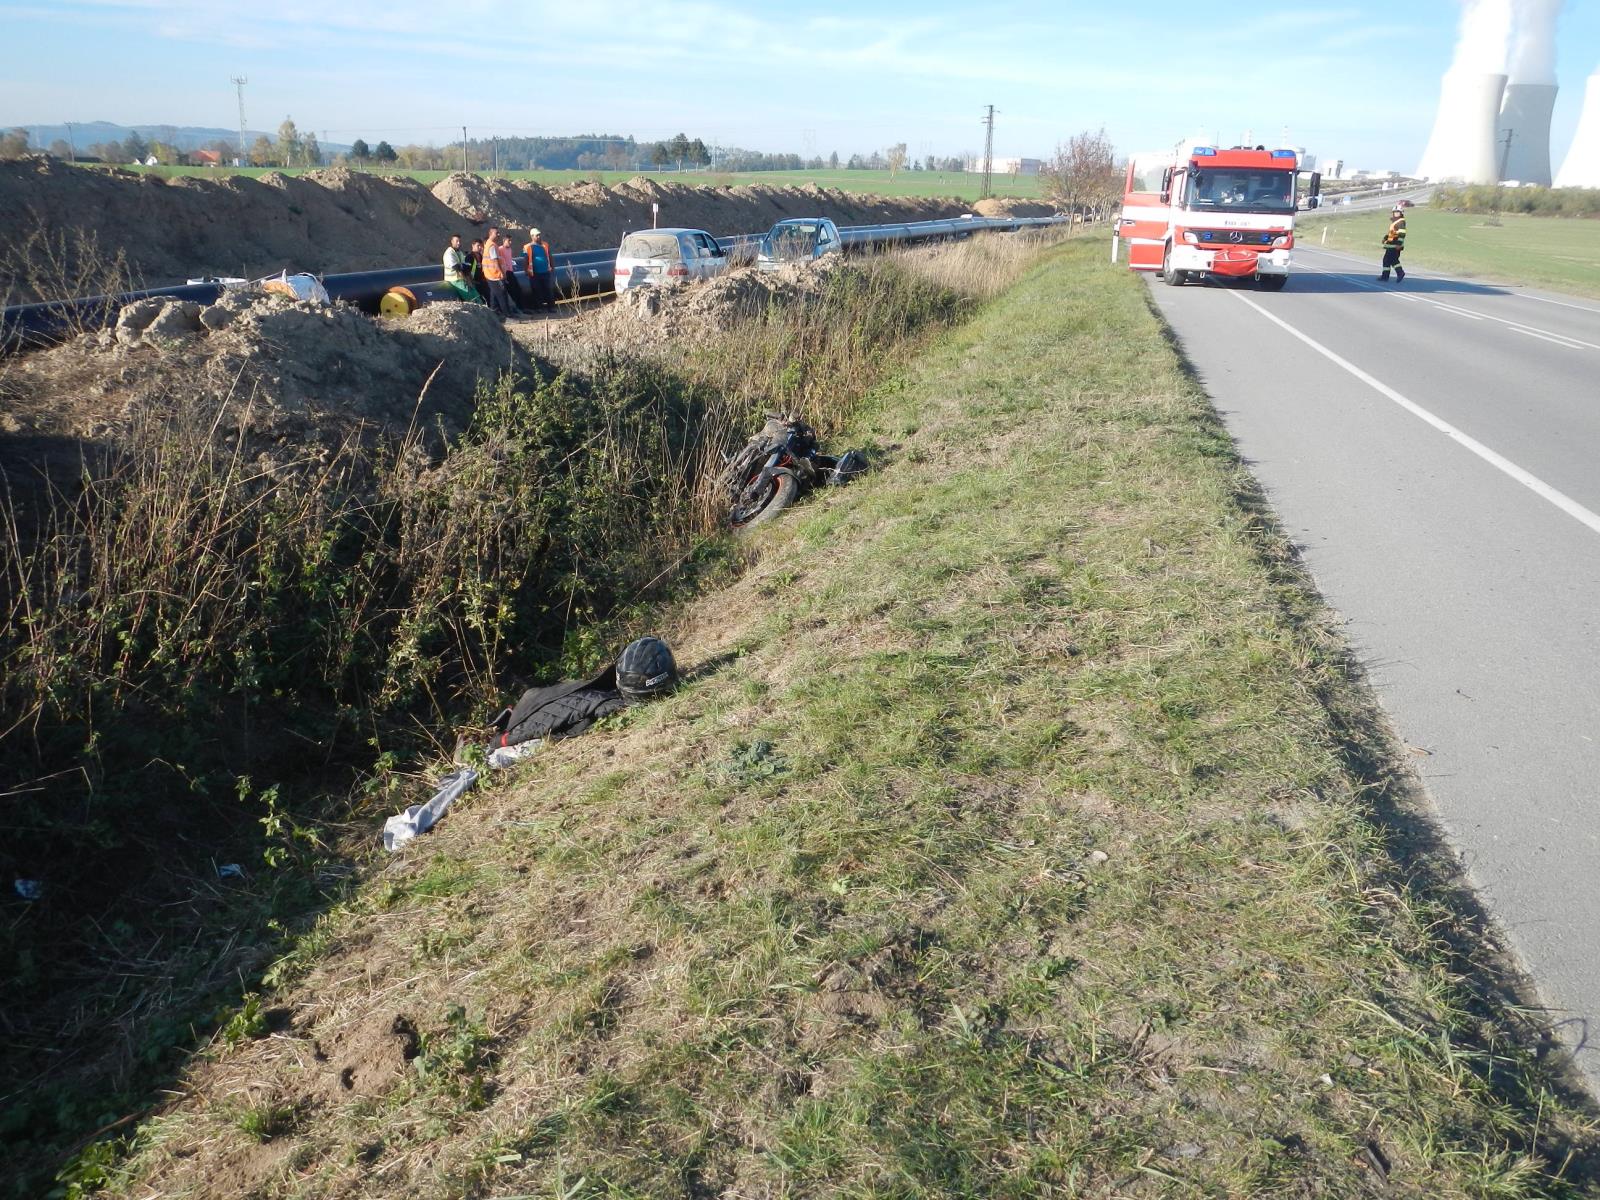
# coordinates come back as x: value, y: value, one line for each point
x: 645, y: 669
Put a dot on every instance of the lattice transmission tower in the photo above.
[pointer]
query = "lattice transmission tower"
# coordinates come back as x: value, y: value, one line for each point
x: 238, y: 83
x: 988, y: 152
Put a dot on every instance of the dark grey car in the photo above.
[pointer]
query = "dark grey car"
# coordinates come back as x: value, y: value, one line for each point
x: 799, y: 239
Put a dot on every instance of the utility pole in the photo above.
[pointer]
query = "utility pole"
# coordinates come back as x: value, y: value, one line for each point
x: 495, y: 141
x: 463, y: 149
x: 238, y: 82
x: 988, y: 152
x: 1500, y: 178
x: 72, y: 143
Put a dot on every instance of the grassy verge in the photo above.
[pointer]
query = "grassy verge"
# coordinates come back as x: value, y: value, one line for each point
x: 965, y: 185
x: 1015, y: 835
x: 1551, y: 252
x: 206, y: 664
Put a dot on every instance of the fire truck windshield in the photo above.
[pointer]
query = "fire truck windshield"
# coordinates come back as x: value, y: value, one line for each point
x: 1241, y: 190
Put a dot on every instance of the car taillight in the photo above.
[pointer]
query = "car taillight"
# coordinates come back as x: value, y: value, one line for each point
x: 684, y: 271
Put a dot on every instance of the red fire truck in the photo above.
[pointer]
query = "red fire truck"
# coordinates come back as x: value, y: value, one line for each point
x: 1213, y: 212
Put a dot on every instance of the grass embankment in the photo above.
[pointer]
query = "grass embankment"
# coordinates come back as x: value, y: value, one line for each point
x: 208, y: 660
x: 962, y: 184
x: 1551, y: 252
x: 1014, y: 835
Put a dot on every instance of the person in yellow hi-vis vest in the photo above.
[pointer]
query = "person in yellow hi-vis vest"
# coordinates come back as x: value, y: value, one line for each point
x: 458, y: 270
x: 1394, y: 242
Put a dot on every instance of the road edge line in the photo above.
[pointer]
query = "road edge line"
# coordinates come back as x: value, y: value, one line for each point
x: 1527, y: 479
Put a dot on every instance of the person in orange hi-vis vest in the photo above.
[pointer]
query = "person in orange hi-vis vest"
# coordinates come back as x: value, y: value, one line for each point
x: 495, y: 276
x: 1394, y: 244
x: 508, y: 263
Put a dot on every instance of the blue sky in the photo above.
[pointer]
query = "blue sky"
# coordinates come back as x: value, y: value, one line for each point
x: 1354, y: 80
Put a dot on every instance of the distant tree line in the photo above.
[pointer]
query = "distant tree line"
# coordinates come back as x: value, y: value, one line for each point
x: 290, y: 148
x: 599, y: 152
x: 584, y: 152
x: 1532, y: 201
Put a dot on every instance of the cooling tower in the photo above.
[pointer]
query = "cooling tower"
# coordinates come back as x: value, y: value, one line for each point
x: 1462, y: 146
x: 1525, y: 115
x: 1582, y: 166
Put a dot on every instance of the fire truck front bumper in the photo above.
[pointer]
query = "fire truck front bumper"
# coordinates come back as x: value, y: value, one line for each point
x: 1234, y: 262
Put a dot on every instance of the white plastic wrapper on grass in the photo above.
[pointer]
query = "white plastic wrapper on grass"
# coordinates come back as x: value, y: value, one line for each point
x: 419, y: 818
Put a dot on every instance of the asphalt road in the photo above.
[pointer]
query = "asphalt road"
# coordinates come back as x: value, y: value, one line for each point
x: 1377, y: 202
x: 1434, y: 448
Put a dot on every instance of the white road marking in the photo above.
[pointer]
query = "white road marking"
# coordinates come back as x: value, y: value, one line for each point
x: 1452, y: 308
x: 1562, y: 303
x: 1506, y: 289
x: 1569, y: 343
x: 1528, y: 480
x: 1559, y: 339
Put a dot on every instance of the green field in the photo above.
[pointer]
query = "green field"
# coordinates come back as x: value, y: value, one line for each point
x: 903, y: 183
x: 1554, y: 252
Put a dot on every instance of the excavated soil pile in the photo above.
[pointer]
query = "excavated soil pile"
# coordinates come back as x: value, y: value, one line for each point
x: 587, y: 216
x: 653, y: 316
x: 298, y: 373
x: 1011, y: 206
x: 338, y: 220
x: 173, y: 230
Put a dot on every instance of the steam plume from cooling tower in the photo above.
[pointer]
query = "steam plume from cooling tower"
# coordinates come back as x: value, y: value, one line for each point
x: 1463, y: 145
x: 1485, y: 35
x: 1533, y: 42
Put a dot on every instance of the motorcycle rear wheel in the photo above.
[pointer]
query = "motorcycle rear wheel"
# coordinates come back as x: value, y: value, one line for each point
x: 781, y: 492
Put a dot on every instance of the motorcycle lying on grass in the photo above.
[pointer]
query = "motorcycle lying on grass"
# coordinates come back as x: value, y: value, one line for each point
x: 776, y: 465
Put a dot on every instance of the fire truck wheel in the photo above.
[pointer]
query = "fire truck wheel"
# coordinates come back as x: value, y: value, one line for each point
x: 1273, y: 283
x: 1169, y: 276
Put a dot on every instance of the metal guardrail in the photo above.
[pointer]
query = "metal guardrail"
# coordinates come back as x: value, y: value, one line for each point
x: 581, y: 273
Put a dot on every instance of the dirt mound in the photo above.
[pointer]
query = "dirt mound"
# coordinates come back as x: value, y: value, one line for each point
x: 327, y: 221
x: 368, y: 1056
x: 1011, y: 206
x: 301, y: 372
x: 654, y: 316
x: 339, y: 220
x: 587, y: 216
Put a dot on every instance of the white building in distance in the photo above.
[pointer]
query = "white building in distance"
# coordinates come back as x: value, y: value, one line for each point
x: 1008, y: 166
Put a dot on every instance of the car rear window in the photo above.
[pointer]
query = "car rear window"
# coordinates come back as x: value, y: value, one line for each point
x: 649, y: 245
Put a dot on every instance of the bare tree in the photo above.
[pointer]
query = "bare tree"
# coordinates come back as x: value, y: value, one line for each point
x: 1081, y: 178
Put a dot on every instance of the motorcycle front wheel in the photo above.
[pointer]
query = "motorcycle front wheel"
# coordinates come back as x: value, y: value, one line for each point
x: 759, y: 504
